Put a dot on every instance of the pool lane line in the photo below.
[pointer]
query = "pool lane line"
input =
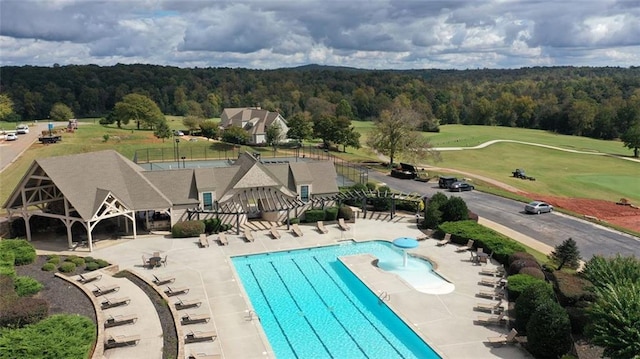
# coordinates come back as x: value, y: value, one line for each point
x: 300, y: 309
x: 354, y: 304
x: 271, y: 309
x: 333, y: 314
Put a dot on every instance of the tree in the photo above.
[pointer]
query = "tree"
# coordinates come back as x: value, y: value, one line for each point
x: 300, y: 126
x: 192, y: 123
x: 346, y: 135
x: 455, y: 209
x: 235, y: 134
x: 61, y: 112
x: 631, y: 139
x: 6, y: 106
x: 528, y: 302
x: 395, y: 134
x: 138, y: 108
x: 344, y: 109
x: 324, y: 127
x: 162, y: 131
x: 274, y: 136
x: 209, y: 129
x: 549, y: 331
x: 566, y: 253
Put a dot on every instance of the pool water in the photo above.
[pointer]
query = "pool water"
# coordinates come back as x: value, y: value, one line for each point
x: 311, y: 306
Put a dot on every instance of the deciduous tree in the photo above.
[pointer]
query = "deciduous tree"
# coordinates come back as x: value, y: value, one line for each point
x: 138, y: 108
x: 235, y: 134
x: 300, y: 126
x: 274, y: 136
x: 6, y: 106
x: 631, y: 139
x: 61, y: 112
x: 162, y: 130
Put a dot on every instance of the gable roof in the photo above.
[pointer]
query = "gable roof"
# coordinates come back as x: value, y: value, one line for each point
x: 254, y: 120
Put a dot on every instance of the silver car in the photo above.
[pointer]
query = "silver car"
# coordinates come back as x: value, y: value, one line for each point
x: 538, y: 207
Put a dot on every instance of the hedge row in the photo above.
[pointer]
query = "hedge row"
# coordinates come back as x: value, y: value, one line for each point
x: 328, y: 214
x: 501, y: 245
x: 187, y: 229
x: 16, y: 312
x: 23, y: 251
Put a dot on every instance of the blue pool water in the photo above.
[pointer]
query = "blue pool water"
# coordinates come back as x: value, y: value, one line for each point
x: 311, y: 306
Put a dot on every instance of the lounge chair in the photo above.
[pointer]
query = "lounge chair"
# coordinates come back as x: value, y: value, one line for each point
x: 504, y: 339
x: 491, y: 307
x: 159, y: 280
x: 493, y: 282
x: 114, y: 321
x: 248, y: 235
x: 186, y: 304
x: 198, y: 336
x: 171, y: 291
x: 274, y: 232
x: 203, y: 241
x: 114, y: 302
x: 194, y: 318
x: 321, y: 228
x: 426, y: 235
x: 222, y: 238
x: 342, y: 225
x: 121, y: 341
x: 492, y: 294
x: 492, y: 319
x: 466, y: 247
x: 88, y: 278
x: 105, y: 289
x: 296, y: 230
x: 203, y: 356
x: 445, y: 240
x: 497, y: 271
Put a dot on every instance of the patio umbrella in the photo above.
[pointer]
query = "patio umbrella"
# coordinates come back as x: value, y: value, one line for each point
x: 405, y: 243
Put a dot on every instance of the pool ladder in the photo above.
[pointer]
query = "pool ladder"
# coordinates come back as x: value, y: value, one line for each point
x: 251, y: 316
x: 384, y: 297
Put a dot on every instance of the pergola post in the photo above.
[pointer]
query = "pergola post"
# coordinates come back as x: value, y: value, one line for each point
x: 27, y: 217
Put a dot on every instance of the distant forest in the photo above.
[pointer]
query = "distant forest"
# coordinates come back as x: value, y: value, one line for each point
x: 596, y: 102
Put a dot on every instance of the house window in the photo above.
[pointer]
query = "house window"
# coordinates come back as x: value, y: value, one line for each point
x: 304, y: 193
x: 207, y: 201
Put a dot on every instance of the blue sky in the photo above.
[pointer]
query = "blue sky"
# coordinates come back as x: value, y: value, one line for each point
x: 374, y: 34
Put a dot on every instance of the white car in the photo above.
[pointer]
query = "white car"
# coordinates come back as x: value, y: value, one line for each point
x: 538, y: 207
x: 11, y: 137
x: 22, y: 129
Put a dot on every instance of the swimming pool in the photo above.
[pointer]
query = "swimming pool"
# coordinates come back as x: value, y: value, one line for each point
x: 311, y: 306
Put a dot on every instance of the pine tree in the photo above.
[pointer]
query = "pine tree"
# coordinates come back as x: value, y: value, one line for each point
x: 566, y: 253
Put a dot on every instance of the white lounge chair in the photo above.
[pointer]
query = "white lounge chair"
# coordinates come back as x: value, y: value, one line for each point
x: 342, y: 225
x: 445, y: 240
x: 105, y: 289
x: 160, y: 280
x: 492, y: 319
x: 296, y: 230
x: 248, y: 234
x: 497, y: 271
x: 113, y: 321
x: 194, y: 319
x: 203, y: 241
x: 199, y: 336
x: 171, y: 291
x: 121, y: 341
x: 114, y: 302
x: 90, y: 277
x: 466, y: 247
x: 222, y: 238
x: 274, y: 232
x: 321, y: 228
x: 493, y: 282
x: 504, y: 339
x: 186, y: 304
x: 492, y: 294
x: 491, y: 307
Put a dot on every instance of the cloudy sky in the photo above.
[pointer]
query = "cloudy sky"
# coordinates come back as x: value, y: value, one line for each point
x: 373, y: 34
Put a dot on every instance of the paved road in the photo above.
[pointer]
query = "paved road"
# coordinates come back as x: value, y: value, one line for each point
x: 10, y: 150
x: 550, y: 229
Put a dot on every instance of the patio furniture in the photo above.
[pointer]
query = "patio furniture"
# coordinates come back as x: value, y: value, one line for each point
x: 159, y: 280
x: 203, y: 241
x: 88, y: 278
x: 274, y: 232
x: 145, y: 262
x: 164, y: 260
x: 484, y: 258
x: 105, y: 289
x: 492, y: 319
x: 296, y: 230
x: 342, y: 225
x: 492, y: 294
x: 426, y: 235
x: 199, y: 336
x: 194, y: 319
x: 510, y: 338
x: 490, y: 307
x: 114, y: 302
x: 114, y: 321
x: 445, y: 240
x: 203, y: 356
x: 493, y: 282
x: 171, y: 291
x: 248, y: 235
x: 222, y: 238
x: 497, y: 271
x: 186, y: 304
x: 466, y: 247
x: 121, y: 341
x: 321, y: 228
x: 155, y: 261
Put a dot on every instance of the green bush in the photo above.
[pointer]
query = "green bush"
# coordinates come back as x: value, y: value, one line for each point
x: 7, y: 258
x: 314, y: 215
x: 23, y: 251
x: 380, y: 204
x: 88, y: 259
x: 579, y: 319
x: 54, y: 260
x: 345, y: 212
x: 371, y: 186
x: 49, y: 267
x: 615, y: 271
x: 187, y: 229
x: 518, y: 283
x: 528, y: 302
x: 67, y: 267
x: 520, y: 255
x: 52, y: 257
x: 549, y: 331
x: 52, y: 337
x: 331, y: 213
x: 516, y: 266
x: 212, y: 225
x: 384, y: 189
x: 501, y: 246
x: 359, y: 187
x: 20, y: 313
x: 79, y: 262
x: 26, y: 286
x: 294, y: 220
x: 455, y: 209
x: 532, y: 271
x: 571, y: 289
x: 7, y: 292
x: 102, y: 263
x: 90, y: 266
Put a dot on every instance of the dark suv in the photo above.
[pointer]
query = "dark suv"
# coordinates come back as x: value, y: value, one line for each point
x: 445, y: 182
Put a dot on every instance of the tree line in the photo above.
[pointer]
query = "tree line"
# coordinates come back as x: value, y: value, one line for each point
x: 596, y: 102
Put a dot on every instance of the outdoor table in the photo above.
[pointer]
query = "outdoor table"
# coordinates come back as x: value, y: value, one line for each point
x: 155, y: 261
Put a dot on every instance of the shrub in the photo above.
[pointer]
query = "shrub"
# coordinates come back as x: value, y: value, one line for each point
x: 22, y: 312
x: 26, y: 286
x: 384, y: 189
x: 616, y: 271
x: 7, y: 259
x: 88, y: 259
x: 212, y: 225
x: 91, y: 266
x: 455, y: 209
x: 187, y: 229
x: 579, y: 319
x: 294, y: 220
x: 67, y: 267
x: 331, y: 213
x: 79, y: 262
x: 380, y: 204
x: 23, y: 251
x: 534, y: 272
x: 49, y: 267
x: 529, y: 301
x: 571, y: 289
x: 102, y: 263
x: 549, y: 331
x: 359, y: 187
x: 345, y: 212
x: 371, y: 186
x: 314, y: 215
x: 53, y: 257
x: 516, y: 266
x: 54, y: 260
x: 520, y: 255
x: 7, y: 292
x: 519, y: 283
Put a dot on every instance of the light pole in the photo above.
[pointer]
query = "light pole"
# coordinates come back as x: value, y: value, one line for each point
x: 178, y: 151
x: 183, y: 165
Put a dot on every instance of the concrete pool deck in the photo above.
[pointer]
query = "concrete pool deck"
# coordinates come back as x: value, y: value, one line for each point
x: 445, y: 322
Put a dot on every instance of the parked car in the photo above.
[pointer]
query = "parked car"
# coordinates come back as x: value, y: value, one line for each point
x: 22, y: 129
x: 11, y: 137
x: 460, y: 186
x: 538, y: 207
x: 445, y: 182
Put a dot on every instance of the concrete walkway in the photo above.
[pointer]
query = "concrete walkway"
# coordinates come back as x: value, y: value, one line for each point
x: 446, y: 322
